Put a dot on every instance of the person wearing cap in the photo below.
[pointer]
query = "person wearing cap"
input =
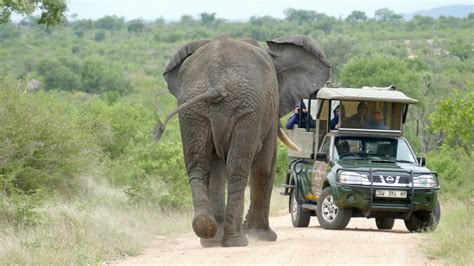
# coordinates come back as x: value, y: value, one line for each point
x: 360, y: 119
x: 294, y: 119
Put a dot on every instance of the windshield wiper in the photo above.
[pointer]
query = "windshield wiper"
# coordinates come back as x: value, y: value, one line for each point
x: 404, y: 161
x: 353, y: 159
x: 382, y: 161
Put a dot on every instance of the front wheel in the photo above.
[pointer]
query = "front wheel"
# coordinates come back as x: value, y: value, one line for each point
x: 329, y: 215
x: 299, y: 216
x: 385, y: 223
x: 423, y: 221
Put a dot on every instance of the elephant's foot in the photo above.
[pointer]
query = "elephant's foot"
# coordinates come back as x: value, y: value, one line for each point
x: 235, y: 241
x: 264, y: 234
x: 204, y: 225
x: 215, y: 241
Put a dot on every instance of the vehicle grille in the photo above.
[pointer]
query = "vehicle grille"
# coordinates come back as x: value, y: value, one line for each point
x: 390, y: 180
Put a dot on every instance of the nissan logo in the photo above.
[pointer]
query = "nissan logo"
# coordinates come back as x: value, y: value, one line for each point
x: 390, y: 179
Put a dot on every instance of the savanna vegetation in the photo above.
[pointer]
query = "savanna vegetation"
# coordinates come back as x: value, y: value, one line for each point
x: 83, y: 181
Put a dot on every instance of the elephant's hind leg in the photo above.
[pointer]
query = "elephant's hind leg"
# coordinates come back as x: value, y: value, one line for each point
x: 238, y: 164
x: 261, y: 185
x: 216, y: 196
x: 204, y: 223
x: 197, y: 145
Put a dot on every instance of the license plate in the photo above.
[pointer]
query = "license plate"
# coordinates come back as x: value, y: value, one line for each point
x: 390, y: 194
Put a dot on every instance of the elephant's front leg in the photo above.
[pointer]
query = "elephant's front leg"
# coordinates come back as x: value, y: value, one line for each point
x: 197, y: 144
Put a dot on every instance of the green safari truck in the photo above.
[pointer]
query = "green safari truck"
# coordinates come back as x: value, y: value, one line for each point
x: 355, y: 162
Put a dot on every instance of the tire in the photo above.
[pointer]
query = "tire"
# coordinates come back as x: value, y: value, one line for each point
x: 423, y: 221
x: 385, y: 223
x: 329, y: 215
x: 299, y: 216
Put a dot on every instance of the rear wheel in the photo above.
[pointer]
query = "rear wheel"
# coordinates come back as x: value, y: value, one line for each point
x: 329, y: 215
x: 384, y: 223
x: 423, y: 221
x: 299, y: 216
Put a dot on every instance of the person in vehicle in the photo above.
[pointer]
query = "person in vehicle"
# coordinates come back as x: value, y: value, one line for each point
x: 343, y: 147
x: 338, y: 113
x: 360, y: 119
x: 294, y: 119
x: 333, y: 123
x: 377, y: 120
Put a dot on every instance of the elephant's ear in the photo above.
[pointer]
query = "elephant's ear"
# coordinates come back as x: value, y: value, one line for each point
x: 302, y: 68
x: 172, y: 69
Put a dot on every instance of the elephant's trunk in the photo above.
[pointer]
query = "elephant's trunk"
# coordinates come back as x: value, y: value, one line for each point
x: 287, y: 141
x: 209, y: 95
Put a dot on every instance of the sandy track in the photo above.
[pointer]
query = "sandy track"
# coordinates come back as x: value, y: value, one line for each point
x: 360, y: 243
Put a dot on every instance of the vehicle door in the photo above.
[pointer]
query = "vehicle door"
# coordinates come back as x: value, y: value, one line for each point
x: 320, y: 167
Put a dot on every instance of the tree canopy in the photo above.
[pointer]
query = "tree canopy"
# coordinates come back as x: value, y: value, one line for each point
x: 52, y: 12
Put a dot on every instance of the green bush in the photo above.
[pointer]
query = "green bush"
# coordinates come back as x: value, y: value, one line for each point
x: 20, y: 209
x: 40, y: 147
x: 152, y: 172
x: 456, y: 175
x: 100, y: 75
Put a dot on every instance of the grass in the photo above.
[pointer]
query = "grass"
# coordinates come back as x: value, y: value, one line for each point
x: 279, y: 203
x: 453, y: 240
x: 95, y: 227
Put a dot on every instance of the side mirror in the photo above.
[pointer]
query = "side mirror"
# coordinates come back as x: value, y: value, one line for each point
x: 322, y: 157
x: 421, y: 161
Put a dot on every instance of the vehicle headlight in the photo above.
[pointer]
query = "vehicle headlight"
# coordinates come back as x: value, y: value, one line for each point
x: 347, y: 177
x: 427, y: 180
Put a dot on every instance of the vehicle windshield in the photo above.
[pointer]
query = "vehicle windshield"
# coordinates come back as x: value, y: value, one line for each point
x: 373, y: 149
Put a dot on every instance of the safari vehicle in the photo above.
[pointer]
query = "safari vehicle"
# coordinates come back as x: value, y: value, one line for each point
x: 359, y: 170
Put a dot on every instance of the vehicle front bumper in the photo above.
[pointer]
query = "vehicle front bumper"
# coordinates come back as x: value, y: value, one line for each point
x: 363, y: 197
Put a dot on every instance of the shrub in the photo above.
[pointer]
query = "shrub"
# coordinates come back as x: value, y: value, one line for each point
x: 40, y: 147
x: 456, y: 175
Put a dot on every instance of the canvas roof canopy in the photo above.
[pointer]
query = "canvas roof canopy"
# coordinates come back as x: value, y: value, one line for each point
x: 384, y: 94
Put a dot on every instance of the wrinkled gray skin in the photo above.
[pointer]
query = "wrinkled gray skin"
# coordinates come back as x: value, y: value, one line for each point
x: 231, y: 95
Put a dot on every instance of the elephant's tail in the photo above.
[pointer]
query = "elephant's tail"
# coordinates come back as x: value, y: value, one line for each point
x: 287, y: 141
x: 209, y: 95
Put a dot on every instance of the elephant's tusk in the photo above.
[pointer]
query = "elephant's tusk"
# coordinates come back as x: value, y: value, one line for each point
x: 287, y: 141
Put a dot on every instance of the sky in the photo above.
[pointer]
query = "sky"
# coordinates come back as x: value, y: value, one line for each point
x: 242, y: 9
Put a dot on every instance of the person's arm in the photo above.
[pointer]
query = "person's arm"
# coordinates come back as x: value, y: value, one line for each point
x: 291, y: 121
x: 333, y: 123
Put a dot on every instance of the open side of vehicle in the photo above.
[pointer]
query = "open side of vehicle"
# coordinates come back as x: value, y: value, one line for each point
x: 356, y: 163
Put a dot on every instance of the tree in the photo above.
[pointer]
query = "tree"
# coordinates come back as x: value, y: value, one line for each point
x: 135, y: 25
x: 52, y: 11
x: 462, y: 50
x: 100, y: 75
x: 382, y: 71
x: 60, y: 75
x: 356, y: 16
x: 300, y: 15
x: 99, y: 36
x: 339, y: 48
x: 187, y: 20
x: 208, y: 18
x: 454, y: 119
x: 112, y: 23
x: 385, y: 14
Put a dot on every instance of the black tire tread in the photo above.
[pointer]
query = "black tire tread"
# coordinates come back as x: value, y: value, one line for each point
x: 303, y: 216
x: 343, y: 215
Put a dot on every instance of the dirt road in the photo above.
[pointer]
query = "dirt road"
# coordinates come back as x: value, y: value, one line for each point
x: 360, y: 243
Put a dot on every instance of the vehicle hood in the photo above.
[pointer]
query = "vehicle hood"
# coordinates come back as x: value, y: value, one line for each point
x: 367, y: 165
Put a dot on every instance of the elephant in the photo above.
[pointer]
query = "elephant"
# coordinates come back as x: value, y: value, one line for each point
x: 231, y: 95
